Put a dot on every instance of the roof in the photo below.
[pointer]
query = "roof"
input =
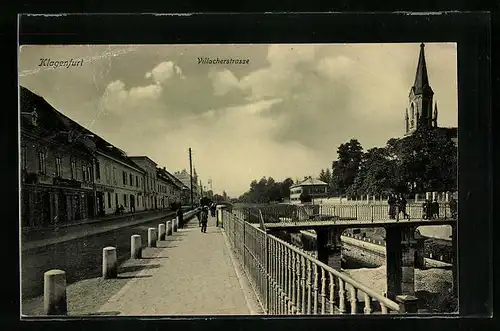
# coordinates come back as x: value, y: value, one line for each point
x: 310, y: 181
x: 421, y: 83
x: 54, y: 121
x: 142, y: 157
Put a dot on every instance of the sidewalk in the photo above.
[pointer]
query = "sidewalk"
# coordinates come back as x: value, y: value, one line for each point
x: 50, y: 237
x: 191, y: 273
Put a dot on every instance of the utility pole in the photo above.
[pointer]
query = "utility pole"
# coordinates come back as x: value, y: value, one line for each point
x: 191, y: 175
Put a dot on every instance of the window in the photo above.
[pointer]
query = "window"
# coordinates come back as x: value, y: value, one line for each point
x: 136, y: 181
x: 131, y: 180
x: 97, y: 170
x: 109, y: 200
x: 114, y: 178
x: 73, y: 169
x: 42, y: 162
x: 116, y: 199
x: 84, y: 172
x: 107, y: 173
x: 125, y: 199
x: 58, y: 167
x: 23, y: 157
x: 124, y: 177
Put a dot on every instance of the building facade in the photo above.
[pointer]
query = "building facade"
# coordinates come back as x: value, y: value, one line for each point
x: 420, y: 101
x: 118, y: 181
x: 56, y: 167
x: 314, y: 187
x: 187, y: 181
x: 150, y: 181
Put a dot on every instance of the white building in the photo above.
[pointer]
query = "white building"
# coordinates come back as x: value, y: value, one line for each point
x: 118, y: 180
x: 313, y: 187
x: 150, y: 181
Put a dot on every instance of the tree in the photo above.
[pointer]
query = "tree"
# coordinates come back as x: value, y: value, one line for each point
x: 305, y: 197
x: 376, y: 175
x: 425, y: 161
x: 345, y: 169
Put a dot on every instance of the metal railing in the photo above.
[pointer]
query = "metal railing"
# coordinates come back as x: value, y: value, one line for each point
x: 355, y: 212
x: 289, y: 281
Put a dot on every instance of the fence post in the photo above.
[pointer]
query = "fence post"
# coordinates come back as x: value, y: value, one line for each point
x: 109, y: 263
x: 372, y: 211
x: 244, y: 247
x: 54, y: 292
x: 169, y: 228
x: 135, y: 246
x: 161, y: 231
x: 267, y: 273
x: 151, y: 237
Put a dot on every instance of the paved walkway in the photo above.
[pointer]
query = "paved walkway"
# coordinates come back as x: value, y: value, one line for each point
x: 191, y: 273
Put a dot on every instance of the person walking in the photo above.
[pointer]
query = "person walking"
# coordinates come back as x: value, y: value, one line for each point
x: 435, y: 208
x: 198, y: 215
x: 180, y: 217
x: 392, y: 206
x: 402, y: 206
x: 453, y: 207
x: 212, y: 209
x: 204, y: 219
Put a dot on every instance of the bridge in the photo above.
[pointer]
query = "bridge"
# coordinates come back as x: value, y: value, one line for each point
x: 329, y: 221
x: 241, y: 266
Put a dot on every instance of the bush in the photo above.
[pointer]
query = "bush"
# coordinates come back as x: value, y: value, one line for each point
x: 305, y: 197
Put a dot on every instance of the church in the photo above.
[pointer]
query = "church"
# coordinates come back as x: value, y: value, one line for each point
x: 421, y: 97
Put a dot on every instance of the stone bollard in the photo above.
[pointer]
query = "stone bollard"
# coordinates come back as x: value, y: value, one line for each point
x: 151, y: 237
x: 109, y: 263
x: 175, y: 225
x: 136, y: 247
x: 54, y: 292
x: 430, y: 255
x: 407, y: 304
x: 169, y: 228
x: 161, y: 231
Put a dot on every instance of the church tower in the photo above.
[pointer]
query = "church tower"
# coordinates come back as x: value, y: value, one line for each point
x: 420, y: 99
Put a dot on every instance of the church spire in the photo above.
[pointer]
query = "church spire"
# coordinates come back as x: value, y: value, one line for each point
x: 435, y: 114
x: 421, y: 84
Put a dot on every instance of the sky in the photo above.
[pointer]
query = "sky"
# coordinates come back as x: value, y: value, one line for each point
x: 282, y: 114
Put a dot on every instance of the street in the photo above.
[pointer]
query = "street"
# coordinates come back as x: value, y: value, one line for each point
x: 80, y: 258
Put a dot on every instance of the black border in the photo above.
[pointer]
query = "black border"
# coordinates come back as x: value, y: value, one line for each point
x: 470, y: 30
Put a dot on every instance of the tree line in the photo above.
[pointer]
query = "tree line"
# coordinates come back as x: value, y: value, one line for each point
x: 425, y: 161
x: 422, y: 162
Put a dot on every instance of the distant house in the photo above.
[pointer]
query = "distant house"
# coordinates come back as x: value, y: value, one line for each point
x: 314, y: 187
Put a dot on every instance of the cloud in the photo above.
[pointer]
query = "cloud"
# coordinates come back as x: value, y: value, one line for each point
x: 282, y: 115
x: 164, y: 71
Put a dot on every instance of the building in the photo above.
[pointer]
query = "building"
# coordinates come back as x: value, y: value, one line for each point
x: 150, y: 181
x: 420, y: 102
x: 168, y: 189
x: 314, y: 187
x: 56, y: 165
x: 118, y: 180
x: 186, y: 180
x: 177, y: 188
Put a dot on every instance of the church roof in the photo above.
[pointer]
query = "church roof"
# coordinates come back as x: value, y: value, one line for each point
x: 421, y: 83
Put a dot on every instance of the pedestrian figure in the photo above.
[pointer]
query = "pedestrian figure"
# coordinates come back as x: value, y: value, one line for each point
x: 453, y: 207
x: 180, y: 217
x: 121, y: 209
x: 402, y: 206
x: 198, y: 215
x: 435, y: 208
x: 204, y: 219
x: 212, y: 209
x: 392, y: 206
x: 427, y: 208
